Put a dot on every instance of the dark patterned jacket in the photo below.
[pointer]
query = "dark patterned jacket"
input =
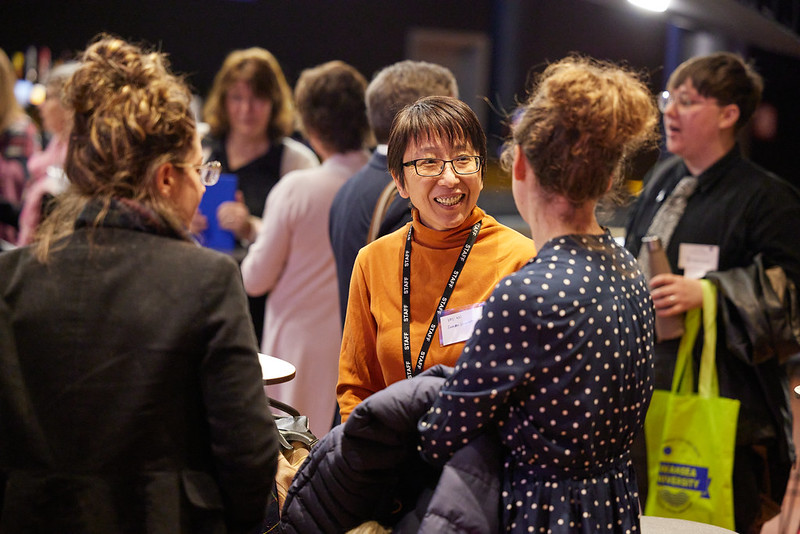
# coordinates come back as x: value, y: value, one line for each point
x: 131, y: 397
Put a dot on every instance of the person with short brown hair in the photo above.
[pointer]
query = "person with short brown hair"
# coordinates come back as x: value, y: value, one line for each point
x: 291, y: 256
x: 736, y: 216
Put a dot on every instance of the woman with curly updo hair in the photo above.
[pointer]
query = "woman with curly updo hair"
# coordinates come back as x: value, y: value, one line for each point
x: 559, y: 367
x: 131, y: 397
x: 130, y: 118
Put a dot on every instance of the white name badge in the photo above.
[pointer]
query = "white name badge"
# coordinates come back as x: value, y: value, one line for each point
x: 456, y: 325
x: 696, y: 260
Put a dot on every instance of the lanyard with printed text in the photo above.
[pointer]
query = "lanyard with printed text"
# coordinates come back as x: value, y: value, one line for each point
x: 448, y: 290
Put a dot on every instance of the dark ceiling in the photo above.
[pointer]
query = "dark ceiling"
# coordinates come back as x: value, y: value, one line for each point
x: 770, y: 25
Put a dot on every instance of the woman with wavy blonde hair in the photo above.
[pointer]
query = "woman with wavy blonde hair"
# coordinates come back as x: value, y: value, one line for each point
x: 559, y: 367
x: 131, y: 398
x: 251, y: 114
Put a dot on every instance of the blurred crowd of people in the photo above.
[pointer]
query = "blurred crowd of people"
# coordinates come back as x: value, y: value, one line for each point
x: 422, y: 329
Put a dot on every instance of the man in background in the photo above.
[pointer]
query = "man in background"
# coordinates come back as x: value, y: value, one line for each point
x: 369, y: 197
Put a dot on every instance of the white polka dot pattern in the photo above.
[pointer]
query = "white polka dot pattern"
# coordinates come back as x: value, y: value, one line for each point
x: 561, y: 365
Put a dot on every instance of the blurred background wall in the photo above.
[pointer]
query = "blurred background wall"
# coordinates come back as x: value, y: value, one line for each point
x: 493, y: 46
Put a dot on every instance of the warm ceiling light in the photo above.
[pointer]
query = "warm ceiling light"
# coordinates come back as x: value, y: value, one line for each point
x: 38, y: 94
x: 651, y: 5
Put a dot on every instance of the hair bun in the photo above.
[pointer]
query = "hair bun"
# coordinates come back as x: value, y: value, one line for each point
x: 129, y: 111
x: 582, y: 120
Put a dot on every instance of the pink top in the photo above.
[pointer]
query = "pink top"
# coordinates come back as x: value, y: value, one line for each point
x: 292, y: 259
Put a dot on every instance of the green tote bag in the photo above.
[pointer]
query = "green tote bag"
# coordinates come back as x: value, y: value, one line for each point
x: 691, y: 434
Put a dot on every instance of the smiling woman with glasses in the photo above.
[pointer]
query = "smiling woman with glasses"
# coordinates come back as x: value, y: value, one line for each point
x: 400, y: 313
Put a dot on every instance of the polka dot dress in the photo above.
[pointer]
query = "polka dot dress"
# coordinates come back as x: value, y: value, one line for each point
x: 561, y: 365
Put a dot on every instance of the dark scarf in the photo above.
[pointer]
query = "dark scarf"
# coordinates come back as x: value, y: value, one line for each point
x: 128, y: 214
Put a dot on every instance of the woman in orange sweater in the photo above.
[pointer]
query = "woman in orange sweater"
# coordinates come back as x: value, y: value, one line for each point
x: 416, y: 293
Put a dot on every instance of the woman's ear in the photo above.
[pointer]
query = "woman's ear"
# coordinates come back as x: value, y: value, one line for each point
x: 165, y: 179
x: 400, y: 186
x: 519, y: 169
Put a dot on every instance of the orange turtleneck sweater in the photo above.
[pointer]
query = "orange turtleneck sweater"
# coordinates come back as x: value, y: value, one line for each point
x: 372, y: 351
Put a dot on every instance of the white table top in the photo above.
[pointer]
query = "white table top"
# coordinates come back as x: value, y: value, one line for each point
x: 660, y: 525
x: 274, y: 370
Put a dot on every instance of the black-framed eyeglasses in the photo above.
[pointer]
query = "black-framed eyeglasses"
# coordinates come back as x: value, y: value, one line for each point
x: 209, y: 172
x: 430, y: 167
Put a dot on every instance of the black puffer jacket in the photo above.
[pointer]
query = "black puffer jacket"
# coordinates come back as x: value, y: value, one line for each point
x: 369, y: 469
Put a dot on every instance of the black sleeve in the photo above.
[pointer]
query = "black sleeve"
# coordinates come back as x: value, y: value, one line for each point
x: 9, y: 213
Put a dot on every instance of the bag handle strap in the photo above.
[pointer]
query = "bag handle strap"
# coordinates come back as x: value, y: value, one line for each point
x: 708, y: 384
x: 379, y: 212
x: 683, y: 379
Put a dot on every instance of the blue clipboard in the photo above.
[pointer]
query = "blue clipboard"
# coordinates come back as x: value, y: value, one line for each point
x: 214, y: 236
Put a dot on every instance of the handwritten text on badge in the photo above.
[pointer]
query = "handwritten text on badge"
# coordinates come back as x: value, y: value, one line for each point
x: 456, y: 325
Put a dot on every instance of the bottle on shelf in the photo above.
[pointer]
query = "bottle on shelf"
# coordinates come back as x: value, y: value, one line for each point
x: 666, y: 327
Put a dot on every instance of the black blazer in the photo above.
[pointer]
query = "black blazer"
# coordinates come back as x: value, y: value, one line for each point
x: 351, y: 215
x: 131, y: 397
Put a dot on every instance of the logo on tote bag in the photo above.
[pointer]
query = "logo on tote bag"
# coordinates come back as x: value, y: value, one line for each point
x: 678, y: 481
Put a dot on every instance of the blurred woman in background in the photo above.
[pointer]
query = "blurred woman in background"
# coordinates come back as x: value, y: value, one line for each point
x: 292, y: 257
x: 46, y: 167
x: 251, y: 116
x: 19, y: 140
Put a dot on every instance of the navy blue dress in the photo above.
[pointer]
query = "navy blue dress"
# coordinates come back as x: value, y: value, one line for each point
x: 560, y: 366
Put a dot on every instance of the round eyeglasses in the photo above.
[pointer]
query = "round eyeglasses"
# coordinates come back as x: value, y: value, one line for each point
x: 209, y: 172
x: 682, y: 100
x: 430, y: 167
